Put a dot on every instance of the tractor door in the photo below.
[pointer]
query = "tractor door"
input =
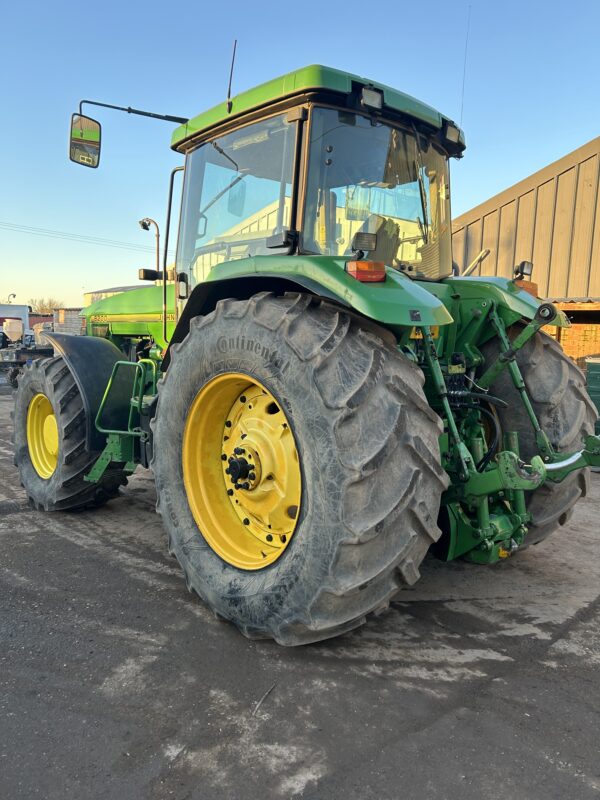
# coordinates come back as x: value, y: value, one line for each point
x: 237, y: 196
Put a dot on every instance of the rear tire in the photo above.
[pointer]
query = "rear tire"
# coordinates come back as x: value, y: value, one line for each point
x: 556, y: 388
x: 367, y: 444
x: 65, y: 487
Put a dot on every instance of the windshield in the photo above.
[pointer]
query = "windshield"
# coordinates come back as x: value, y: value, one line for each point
x: 367, y: 177
x: 237, y: 194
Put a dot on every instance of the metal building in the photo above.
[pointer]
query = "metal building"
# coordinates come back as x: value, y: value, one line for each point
x: 551, y: 218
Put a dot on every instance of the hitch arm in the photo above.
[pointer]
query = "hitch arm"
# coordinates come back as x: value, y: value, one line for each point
x: 507, y: 359
x: 588, y: 457
x: 509, y: 474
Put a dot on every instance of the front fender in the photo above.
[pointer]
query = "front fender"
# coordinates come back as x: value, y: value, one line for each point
x: 509, y: 298
x: 90, y: 360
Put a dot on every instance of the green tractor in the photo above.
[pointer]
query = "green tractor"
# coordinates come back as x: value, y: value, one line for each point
x: 320, y: 397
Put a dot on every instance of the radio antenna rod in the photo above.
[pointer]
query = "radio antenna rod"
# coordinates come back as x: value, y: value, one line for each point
x: 229, y: 103
x: 462, y: 94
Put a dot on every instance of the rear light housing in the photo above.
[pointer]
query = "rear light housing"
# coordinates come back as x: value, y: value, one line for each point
x: 366, y: 271
x: 527, y: 286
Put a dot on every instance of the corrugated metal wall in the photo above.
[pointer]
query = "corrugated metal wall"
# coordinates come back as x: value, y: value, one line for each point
x: 551, y: 218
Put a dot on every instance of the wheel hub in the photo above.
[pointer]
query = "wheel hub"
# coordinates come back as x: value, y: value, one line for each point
x: 238, y: 469
x: 42, y: 436
x: 258, y: 448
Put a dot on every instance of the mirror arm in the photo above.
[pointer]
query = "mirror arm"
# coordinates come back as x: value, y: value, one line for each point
x: 129, y: 110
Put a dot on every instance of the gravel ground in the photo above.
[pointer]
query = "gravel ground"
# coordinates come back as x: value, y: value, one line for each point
x: 481, y: 682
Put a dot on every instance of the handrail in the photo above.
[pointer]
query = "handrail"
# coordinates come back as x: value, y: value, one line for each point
x: 475, y: 263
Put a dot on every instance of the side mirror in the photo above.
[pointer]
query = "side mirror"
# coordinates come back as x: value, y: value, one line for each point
x: 84, y: 143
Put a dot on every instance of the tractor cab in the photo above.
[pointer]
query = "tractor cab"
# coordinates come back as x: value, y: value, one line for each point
x: 336, y: 167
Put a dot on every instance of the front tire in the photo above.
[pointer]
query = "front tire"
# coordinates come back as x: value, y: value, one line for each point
x: 368, y: 456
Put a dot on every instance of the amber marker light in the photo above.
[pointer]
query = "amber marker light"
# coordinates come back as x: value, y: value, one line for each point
x: 528, y: 286
x: 366, y: 271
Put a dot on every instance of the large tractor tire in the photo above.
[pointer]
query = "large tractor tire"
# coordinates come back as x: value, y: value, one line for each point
x: 50, y: 441
x: 297, y: 467
x: 556, y: 388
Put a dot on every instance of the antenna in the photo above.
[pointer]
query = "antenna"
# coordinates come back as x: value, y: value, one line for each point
x: 229, y: 103
x: 462, y: 94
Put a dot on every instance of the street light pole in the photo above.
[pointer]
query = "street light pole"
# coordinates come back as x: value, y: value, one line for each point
x: 145, y: 225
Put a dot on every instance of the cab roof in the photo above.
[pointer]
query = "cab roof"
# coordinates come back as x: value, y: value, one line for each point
x: 311, y: 78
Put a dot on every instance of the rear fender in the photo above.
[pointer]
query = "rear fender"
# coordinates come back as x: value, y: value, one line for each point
x: 396, y: 303
x: 205, y: 296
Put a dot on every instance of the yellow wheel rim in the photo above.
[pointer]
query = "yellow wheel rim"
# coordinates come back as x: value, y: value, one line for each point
x: 42, y: 436
x: 241, y: 471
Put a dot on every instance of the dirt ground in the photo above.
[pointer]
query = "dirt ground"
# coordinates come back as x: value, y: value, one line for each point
x: 116, y: 684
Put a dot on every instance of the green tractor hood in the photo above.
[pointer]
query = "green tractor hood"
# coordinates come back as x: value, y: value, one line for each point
x: 137, y: 312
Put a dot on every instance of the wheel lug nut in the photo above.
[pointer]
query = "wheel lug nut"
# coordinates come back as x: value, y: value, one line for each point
x: 223, y: 457
x: 246, y: 521
x: 269, y: 537
x: 252, y: 476
x: 229, y: 492
x: 227, y: 471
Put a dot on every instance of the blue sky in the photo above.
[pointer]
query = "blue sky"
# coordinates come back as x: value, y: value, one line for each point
x: 531, y: 96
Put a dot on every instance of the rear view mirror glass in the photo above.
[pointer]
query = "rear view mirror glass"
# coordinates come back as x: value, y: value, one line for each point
x: 84, y: 147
